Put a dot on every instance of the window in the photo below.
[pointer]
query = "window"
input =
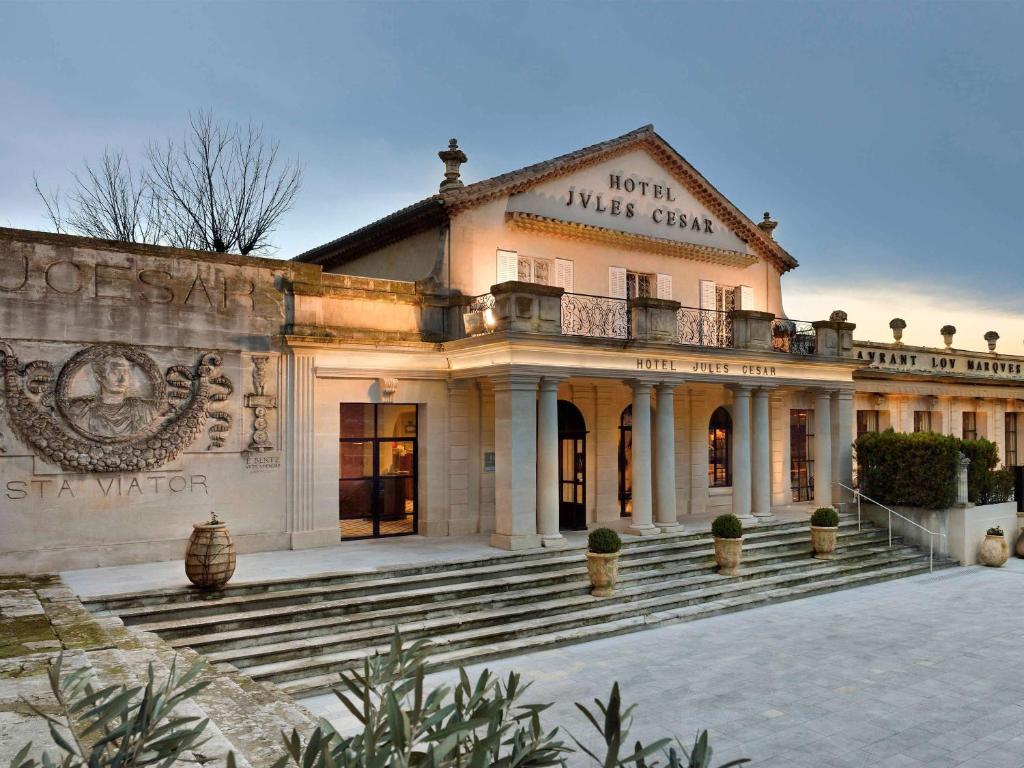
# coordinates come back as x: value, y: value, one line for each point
x: 719, y: 449
x: 638, y: 285
x: 922, y: 421
x: 801, y: 451
x: 970, y: 430
x: 512, y: 265
x: 534, y: 270
x: 1011, y: 440
x: 626, y: 461
x: 725, y: 298
x: 867, y: 421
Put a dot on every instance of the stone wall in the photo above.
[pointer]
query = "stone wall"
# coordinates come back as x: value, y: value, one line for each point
x: 141, y: 392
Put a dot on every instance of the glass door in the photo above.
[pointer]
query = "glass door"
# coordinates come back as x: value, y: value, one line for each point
x: 377, y: 470
x: 801, y: 451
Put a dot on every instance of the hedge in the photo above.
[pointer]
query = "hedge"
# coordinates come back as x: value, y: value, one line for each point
x: 916, y: 469
x: 921, y: 469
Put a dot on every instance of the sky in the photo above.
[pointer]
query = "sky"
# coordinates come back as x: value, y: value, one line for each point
x: 886, y: 138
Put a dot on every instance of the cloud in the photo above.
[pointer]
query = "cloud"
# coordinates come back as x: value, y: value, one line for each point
x: 925, y: 311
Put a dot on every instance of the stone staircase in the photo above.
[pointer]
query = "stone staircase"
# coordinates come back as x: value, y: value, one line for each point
x: 300, y: 633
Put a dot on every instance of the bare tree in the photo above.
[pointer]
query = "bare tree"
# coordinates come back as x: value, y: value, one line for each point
x: 110, y: 201
x: 222, y: 188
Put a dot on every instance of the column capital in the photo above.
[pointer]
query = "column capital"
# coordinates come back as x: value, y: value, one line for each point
x: 843, y: 394
x: 741, y: 390
x: 763, y: 391
x: 640, y: 385
x: 548, y: 383
x: 514, y: 381
x: 666, y: 386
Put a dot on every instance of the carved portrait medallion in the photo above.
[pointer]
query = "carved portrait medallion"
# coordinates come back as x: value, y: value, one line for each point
x: 111, y: 393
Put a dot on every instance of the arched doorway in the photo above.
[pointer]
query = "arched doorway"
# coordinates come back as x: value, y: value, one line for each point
x: 626, y: 461
x: 572, y: 467
x: 720, y: 449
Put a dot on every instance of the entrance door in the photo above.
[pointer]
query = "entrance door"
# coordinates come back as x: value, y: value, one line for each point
x: 572, y: 467
x: 801, y: 451
x: 377, y: 470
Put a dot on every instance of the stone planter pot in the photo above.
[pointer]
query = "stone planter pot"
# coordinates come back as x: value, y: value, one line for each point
x: 823, y: 540
x: 728, y: 555
x: 603, y: 571
x: 994, y: 550
x: 210, y: 557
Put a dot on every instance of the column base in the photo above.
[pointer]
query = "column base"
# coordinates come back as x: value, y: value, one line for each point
x: 764, y: 517
x: 643, y: 530
x: 326, y: 537
x: 558, y: 541
x: 515, y: 541
x: 671, y: 527
x: 747, y: 518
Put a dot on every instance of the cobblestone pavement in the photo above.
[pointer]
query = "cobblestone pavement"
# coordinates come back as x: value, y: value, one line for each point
x: 925, y: 671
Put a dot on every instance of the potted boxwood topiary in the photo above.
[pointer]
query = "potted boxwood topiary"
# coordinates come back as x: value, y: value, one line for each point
x: 728, y: 533
x: 994, y: 550
x: 824, y: 526
x: 603, y: 545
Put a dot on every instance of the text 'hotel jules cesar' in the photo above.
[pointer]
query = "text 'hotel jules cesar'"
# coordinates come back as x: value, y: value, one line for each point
x: 598, y: 339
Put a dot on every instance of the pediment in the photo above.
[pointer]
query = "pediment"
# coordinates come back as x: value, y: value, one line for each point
x: 631, y: 193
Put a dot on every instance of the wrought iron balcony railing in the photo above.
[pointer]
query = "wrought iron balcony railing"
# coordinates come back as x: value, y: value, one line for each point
x: 703, y: 327
x: 795, y: 337
x: 597, y: 316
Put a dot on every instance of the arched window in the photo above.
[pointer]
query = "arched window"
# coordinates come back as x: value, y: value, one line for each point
x: 720, y: 449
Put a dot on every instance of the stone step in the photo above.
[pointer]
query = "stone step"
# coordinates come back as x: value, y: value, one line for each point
x: 120, y: 603
x: 480, y: 580
x: 207, y: 638
x: 578, y: 610
x: 183, y: 621
x: 310, y: 684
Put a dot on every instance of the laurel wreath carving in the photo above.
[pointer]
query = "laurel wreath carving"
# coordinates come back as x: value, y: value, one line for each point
x: 34, y: 411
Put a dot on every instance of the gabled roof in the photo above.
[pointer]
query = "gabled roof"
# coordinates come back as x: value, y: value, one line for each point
x: 442, y: 206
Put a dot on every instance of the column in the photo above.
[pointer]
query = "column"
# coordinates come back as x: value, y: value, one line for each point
x: 642, y: 524
x: 665, y: 455
x: 761, y: 476
x: 823, y: 448
x: 547, y: 464
x: 741, y: 453
x: 844, y: 449
x: 301, y: 442
x: 515, y: 459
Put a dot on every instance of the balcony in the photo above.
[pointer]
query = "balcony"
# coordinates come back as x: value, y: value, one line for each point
x: 526, y: 307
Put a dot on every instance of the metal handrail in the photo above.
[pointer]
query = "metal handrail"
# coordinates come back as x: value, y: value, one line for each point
x: 891, y: 512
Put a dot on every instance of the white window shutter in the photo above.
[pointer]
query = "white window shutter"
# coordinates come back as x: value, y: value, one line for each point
x: 664, y: 286
x: 746, y: 297
x: 707, y: 294
x: 617, y: 282
x: 508, y: 266
x: 564, y: 277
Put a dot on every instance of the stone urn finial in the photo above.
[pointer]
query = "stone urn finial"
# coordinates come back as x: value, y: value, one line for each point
x: 768, y: 225
x: 838, y: 316
x: 991, y: 338
x: 453, y: 158
x: 947, y: 332
x: 897, y: 324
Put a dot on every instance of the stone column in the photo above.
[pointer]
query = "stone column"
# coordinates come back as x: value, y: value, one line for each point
x: 665, y: 454
x: 642, y: 524
x: 547, y: 464
x: 515, y: 449
x: 844, y: 448
x: 761, y: 455
x: 741, y: 452
x: 823, y: 448
x: 301, y: 443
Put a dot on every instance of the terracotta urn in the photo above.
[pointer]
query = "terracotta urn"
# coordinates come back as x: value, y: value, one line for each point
x: 728, y: 554
x: 823, y: 540
x: 1020, y: 544
x: 210, y: 557
x: 994, y: 550
x: 603, y: 570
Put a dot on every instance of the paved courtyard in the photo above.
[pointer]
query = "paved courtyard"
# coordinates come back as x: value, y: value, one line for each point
x: 925, y: 671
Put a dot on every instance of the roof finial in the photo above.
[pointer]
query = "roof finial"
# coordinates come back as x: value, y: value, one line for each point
x: 453, y: 157
x: 768, y: 225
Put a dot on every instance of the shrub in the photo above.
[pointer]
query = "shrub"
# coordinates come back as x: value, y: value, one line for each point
x: 825, y: 517
x: 995, y: 530
x: 727, y: 527
x: 480, y: 722
x: 604, y: 541
x: 984, y: 456
x: 914, y: 470
x: 1001, y: 487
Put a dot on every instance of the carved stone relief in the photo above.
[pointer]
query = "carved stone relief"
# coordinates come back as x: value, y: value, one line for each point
x: 261, y: 404
x: 110, y: 409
